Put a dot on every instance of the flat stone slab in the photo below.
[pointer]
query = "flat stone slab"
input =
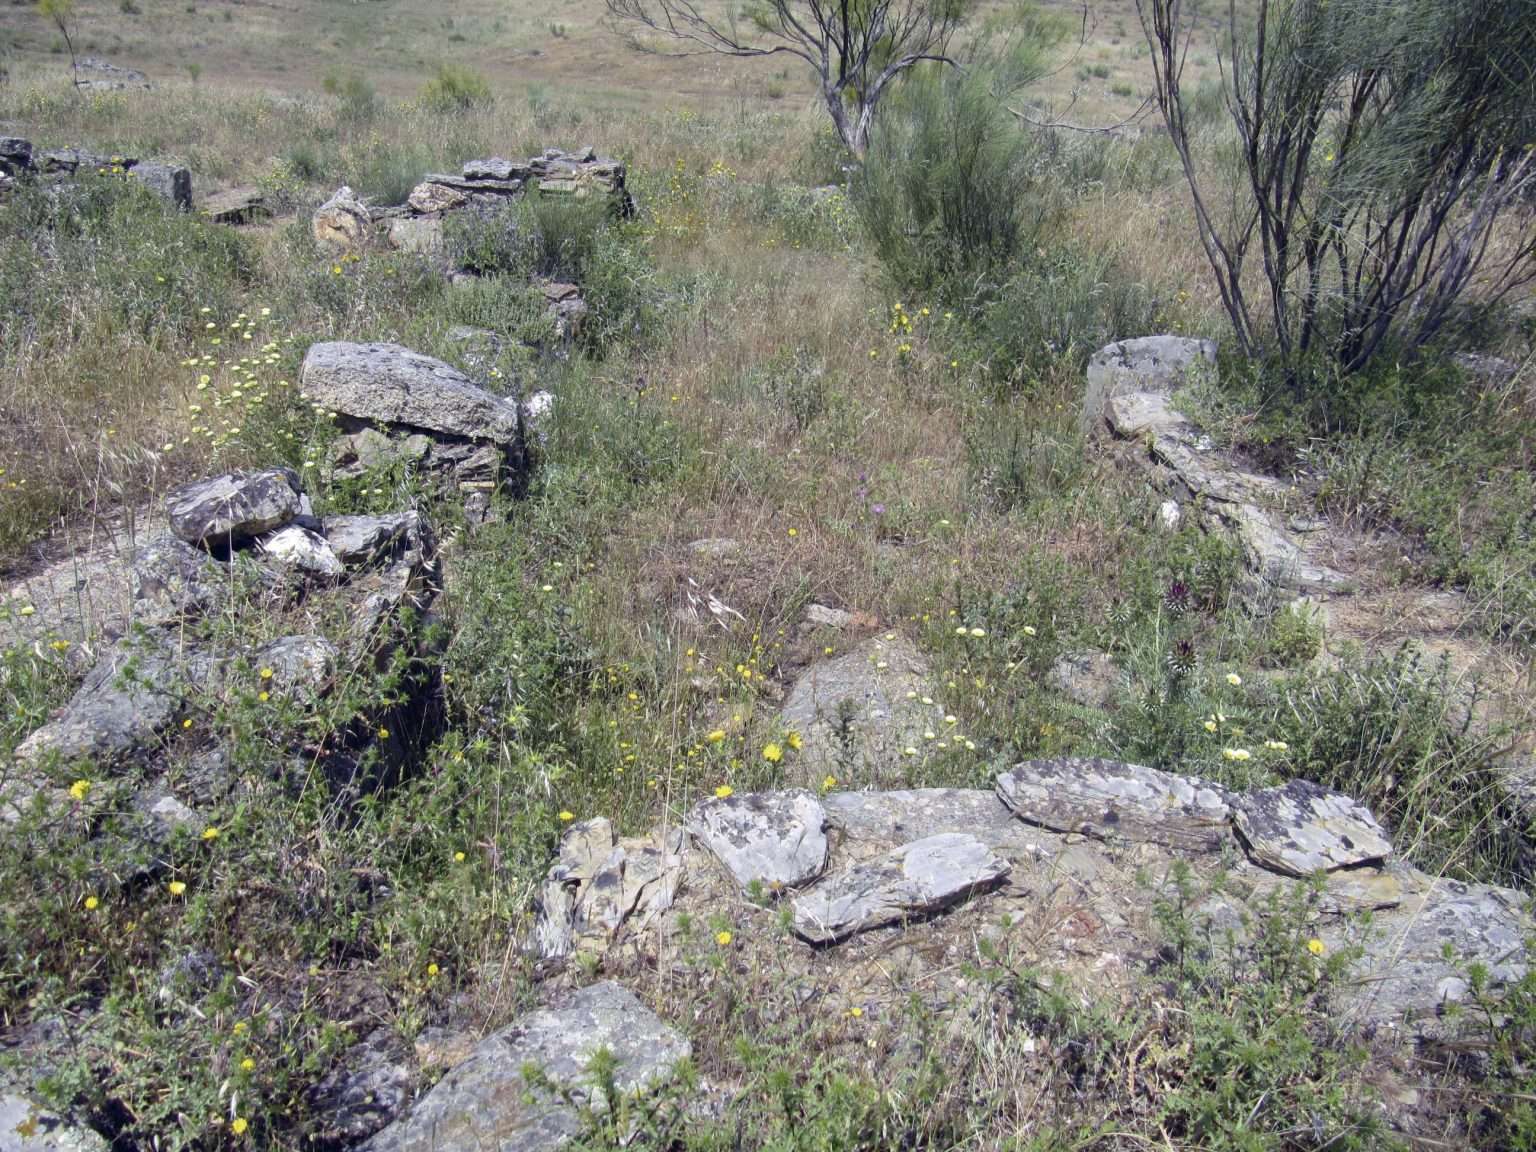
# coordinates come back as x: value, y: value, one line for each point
x: 913, y: 881
x: 1406, y: 974
x: 1156, y: 364
x: 486, y: 1102
x: 1301, y: 828
x: 26, y: 1126
x: 234, y: 507
x: 391, y: 385
x: 1114, y: 801
x: 766, y: 840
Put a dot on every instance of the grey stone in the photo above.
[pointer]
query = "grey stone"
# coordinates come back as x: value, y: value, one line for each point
x: 1087, y: 678
x: 26, y: 1126
x: 388, y: 384
x: 486, y: 1103
x: 1301, y: 828
x: 858, y: 713
x: 1114, y: 801
x: 1274, y: 558
x: 420, y: 236
x: 369, y: 450
x: 128, y: 699
x: 431, y: 197
x: 94, y: 74
x: 170, y: 182
x: 584, y: 849
x: 358, y: 541
x: 635, y: 876
x: 171, y: 580
x: 299, y: 663
x: 1416, y: 958
x: 15, y: 155
x: 897, y: 817
x: 717, y: 548
x: 821, y: 616
x: 495, y: 168
x: 1147, y: 364
x: 242, y: 205
x: 235, y: 507
x: 342, y: 224
x: 300, y: 549
x: 538, y: 414
x: 913, y: 881
x: 1170, y: 515
x: 768, y: 841
x: 368, y: 1088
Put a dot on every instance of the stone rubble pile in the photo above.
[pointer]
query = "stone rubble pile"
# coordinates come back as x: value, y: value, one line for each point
x: 19, y: 160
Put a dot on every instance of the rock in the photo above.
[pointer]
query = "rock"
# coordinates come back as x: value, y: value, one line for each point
x: 126, y: 701
x: 303, y: 663
x: 768, y: 841
x: 230, y: 509
x: 538, y: 414
x: 486, y: 1102
x: 1416, y: 958
x: 93, y: 74
x: 1491, y: 371
x: 369, y: 450
x: 1148, y: 364
x: 15, y: 155
x: 858, y: 713
x: 26, y: 1126
x: 170, y: 182
x: 305, y: 551
x: 911, y: 882
x: 913, y: 814
x: 1275, y: 559
x: 367, y: 1089
x: 584, y: 849
x: 1170, y: 515
x: 341, y: 225
x: 820, y: 616
x: 494, y: 169
x: 1301, y: 828
x: 162, y: 815
x: 717, y: 548
x: 1087, y: 678
x: 636, y: 876
x: 420, y: 236
x: 443, y: 1047
x: 391, y: 385
x: 171, y: 580
x: 243, y: 205
x: 431, y: 197
x: 1114, y: 801
x: 358, y: 541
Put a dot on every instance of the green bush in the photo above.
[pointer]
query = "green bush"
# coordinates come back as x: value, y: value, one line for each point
x: 455, y: 87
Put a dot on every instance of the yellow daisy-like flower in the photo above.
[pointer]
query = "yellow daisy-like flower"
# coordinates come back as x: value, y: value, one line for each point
x: 247, y: 1064
x: 1210, y: 725
x: 265, y: 673
x: 1238, y: 754
x: 1277, y: 745
x: 177, y: 887
x: 716, y: 736
x: 91, y: 903
x: 855, y: 1011
x: 1234, y: 679
x: 567, y: 817
x: 772, y: 753
x: 724, y: 792
x: 1028, y: 631
x: 723, y: 939
x: 210, y: 833
x: 1316, y: 946
x: 432, y: 971
x: 828, y: 783
x: 794, y: 741
x: 239, y: 1125
x: 458, y: 857
x: 79, y: 789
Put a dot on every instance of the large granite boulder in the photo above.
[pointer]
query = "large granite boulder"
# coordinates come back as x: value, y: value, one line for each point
x: 1157, y: 364
x: 523, y: 1087
x: 228, y: 510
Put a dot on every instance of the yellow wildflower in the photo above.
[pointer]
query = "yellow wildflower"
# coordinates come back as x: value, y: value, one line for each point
x: 1316, y: 946
x: 91, y: 903
x: 79, y: 788
x: 772, y: 753
x: 723, y: 939
x: 177, y: 887
x: 724, y: 792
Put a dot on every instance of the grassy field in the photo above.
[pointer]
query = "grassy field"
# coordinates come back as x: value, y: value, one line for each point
x: 752, y: 371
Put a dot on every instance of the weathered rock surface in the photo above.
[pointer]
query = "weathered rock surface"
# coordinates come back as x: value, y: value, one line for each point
x: 1301, y: 828
x: 172, y: 182
x: 420, y: 236
x: 1110, y: 800
x: 298, y: 547
x: 859, y: 713
x: 243, y: 205
x: 233, y: 508
x: 171, y: 580
x: 94, y: 74
x: 368, y: 1088
x: 768, y: 841
x: 1158, y: 364
x: 485, y: 1102
x: 26, y: 1126
x: 15, y: 155
x: 1087, y: 678
x: 910, y: 882
x: 391, y: 385
x: 342, y: 224
x: 358, y: 541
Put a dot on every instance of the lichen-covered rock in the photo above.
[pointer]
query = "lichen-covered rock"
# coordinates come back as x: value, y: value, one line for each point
x: 342, y: 224
x: 420, y: 236
x: 584, y: 849
x: 1147, y: 364
x: 171, y: 182
x: 15, y: 155
x: 1301, y: 828
x: 224, y: 511
x: 1111, y: 800
x: 358, y: 541
x: 27, y: 1126
x: 911, y: 882
x: 241, y: 205
x: 387, y: 384
x: 1417, y: 958
x: 171, y: 580
x: 486, y: 1102
x: 368, y: 1088
x: 635, y: 877
x: 768, y: 841
x: 1087, y: 678
x: 298, y: 548
x: 431, y: 197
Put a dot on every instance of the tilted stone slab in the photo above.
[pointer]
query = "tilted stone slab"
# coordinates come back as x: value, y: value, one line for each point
x: 913, y: 881
x: 234, y: 507
x: 486, y: 1103
x: 1111, y: 800
x: 1301, y: 828
x: 1146, y: 364
x: 771, y: 840
x: 391, y: 385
